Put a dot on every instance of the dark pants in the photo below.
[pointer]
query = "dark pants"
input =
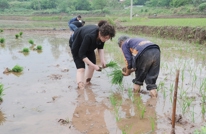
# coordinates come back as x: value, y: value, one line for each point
x: 147, y: 68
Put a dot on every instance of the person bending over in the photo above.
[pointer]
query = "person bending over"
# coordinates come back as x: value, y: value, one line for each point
x: 143, y: 57
x: 83, y: 43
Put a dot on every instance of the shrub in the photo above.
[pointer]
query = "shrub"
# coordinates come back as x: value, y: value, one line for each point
x: 17, y: 68
x: 1, y: 30
x: 202, y: 6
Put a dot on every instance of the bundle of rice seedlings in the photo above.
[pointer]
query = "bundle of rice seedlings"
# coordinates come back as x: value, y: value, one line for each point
x: 2, y: 40
x: 21, y: 33
x: 117, y: 77
x: 1, y: 92
x: 17, y: 68
x: 112, y: 64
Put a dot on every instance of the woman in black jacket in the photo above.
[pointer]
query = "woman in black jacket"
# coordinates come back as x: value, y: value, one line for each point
x: 83, y: 43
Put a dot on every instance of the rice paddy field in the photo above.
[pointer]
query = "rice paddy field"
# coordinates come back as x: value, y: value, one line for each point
x: 43, y: 97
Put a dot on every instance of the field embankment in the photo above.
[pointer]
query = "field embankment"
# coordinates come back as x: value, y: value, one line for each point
x: 191, y: 34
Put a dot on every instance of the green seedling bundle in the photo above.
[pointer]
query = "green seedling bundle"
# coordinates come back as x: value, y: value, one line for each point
x: 1, y: 92
x: 2, y: 40
x: 39, y: 47
x: 117, y: 77
x: 112, y: 64
x: 17, y: 36
x: 17, y: 68
x: 31, y: 42
x: 25, y: 50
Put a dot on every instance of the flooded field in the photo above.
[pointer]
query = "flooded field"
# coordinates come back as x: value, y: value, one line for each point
x: 44, y: 98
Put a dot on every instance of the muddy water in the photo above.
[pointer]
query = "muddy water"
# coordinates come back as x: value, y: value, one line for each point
x: 44, y: 97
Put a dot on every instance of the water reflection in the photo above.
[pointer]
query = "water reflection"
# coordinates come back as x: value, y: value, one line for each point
x: 2, y: 118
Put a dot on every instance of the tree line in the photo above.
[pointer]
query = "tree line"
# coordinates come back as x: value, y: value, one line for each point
x: 72, y: 5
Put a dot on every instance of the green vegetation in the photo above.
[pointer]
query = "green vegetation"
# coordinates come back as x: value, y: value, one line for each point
x: 17, y: 68
x: 112, y: 64
x: 1, y: 92
x: 2, y: 40
x: 39, y: 47
x: 117, y: 77
x: 71, y: 7
x: 201, y: 131
x: 31, y: 42
x: 25, y: 50
x: 17, y: 36
x: 1, y: 30
x: 20, y: 33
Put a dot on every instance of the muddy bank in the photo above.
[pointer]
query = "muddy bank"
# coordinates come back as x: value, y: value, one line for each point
x: 191, y: 34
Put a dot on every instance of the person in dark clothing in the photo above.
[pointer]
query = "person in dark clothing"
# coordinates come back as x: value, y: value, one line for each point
x: 143, y: 57
x: 76, y: 24
x: 72, y: 20
x: 83, y: 43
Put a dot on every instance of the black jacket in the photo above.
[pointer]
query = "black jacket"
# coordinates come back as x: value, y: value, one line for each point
x: 85, y: 41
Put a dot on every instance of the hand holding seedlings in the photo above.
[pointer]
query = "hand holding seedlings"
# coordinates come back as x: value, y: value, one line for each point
x: 126, y: 71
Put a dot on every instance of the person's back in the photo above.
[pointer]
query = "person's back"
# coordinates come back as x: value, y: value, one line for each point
x: 76, y: 24
x: 73, y: 20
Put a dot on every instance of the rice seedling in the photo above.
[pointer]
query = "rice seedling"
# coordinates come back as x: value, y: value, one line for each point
x: 31, y: 42
x: 203, y: 110
x: 2, y: 40
x: 126, y: 129
x: 17, y: 68
x: 129, y: 93
x: 112, y: 64
x: 143, y: 110
x: 113, y: 100
x: 17, y: 36
x: 21, y: 33
x: 117, y: 77
x: 185, y: 104
x: 1, y: 92
x: 39, y: 47
x: 25, y: 50
x: 152, y: 122
x: 201, y: 131
x: 193, y: 114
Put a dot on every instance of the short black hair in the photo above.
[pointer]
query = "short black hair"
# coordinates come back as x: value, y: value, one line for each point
x: 79, y: 16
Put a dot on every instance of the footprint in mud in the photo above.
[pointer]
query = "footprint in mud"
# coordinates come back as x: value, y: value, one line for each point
x: 55, y: 76
x: 53, y: 99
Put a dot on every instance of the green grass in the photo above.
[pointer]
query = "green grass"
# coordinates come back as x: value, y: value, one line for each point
x: 17, y: 68
x: 1, y: 30
x: 2, y: 40
x: 191, y: 22
x: 25, y: 50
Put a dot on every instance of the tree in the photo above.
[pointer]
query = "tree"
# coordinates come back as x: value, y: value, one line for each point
x: 99, y: 4
x: 83, y: 5
x: 4, y: 4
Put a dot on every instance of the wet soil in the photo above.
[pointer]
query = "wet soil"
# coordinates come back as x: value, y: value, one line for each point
x: 44, y: 98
